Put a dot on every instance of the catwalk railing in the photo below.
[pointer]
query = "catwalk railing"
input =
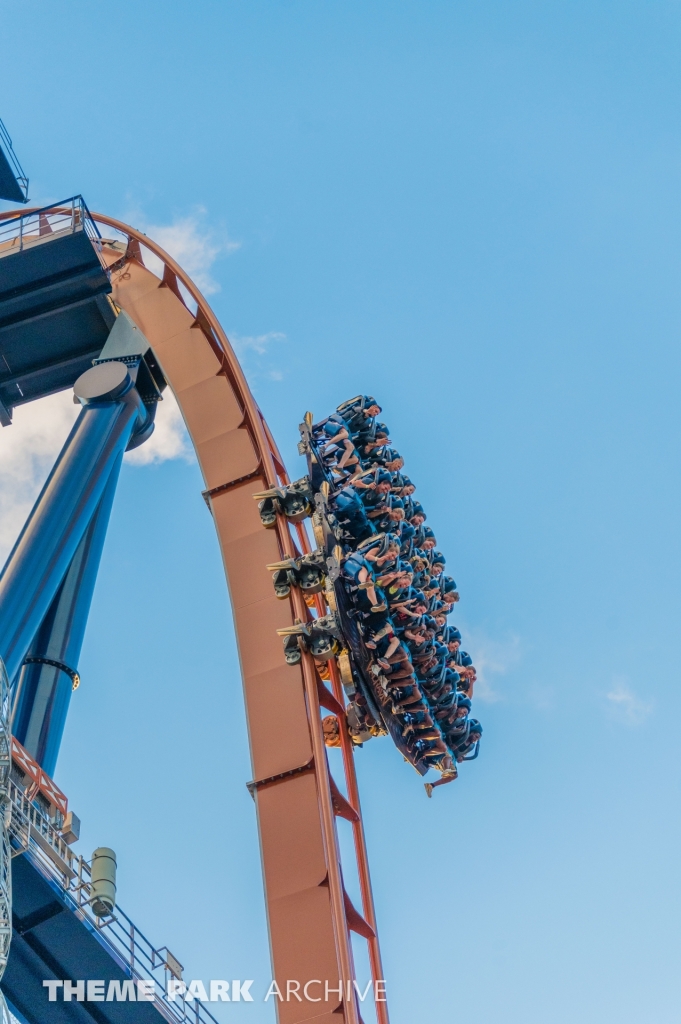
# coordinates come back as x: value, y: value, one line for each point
x: 36, y: 226
x: 32, y: 835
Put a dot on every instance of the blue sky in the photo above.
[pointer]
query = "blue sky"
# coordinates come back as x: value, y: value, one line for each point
x: 471, y: 210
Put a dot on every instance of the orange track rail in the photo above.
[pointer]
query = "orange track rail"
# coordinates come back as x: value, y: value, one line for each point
x: 309, y: 913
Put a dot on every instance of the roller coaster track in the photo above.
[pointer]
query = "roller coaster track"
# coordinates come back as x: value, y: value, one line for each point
x: 310, y: 915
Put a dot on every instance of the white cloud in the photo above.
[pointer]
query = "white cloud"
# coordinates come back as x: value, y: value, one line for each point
x: 492, y: 658
x: 253, y: 351
x: 169, y: 440
x: 258, y: 343
x: 29, y: 447
x: 192, y: 244
x: 626, y: 705
x: 27, y: 452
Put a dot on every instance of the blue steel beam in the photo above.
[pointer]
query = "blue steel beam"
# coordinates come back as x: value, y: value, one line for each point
x: 50, y: 940
x: 43, y: 693
x: 112, y: 414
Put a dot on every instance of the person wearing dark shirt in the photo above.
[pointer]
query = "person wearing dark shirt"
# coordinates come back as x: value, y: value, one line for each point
x: 351, y: 513
x: 359, y: 413
x: 462, y: 749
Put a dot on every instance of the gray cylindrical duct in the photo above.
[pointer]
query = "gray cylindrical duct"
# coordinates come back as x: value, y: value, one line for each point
x: 103, y: 886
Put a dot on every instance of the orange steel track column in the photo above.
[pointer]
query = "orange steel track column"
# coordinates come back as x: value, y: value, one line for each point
x: 306, y: 903
x: 361, y: 853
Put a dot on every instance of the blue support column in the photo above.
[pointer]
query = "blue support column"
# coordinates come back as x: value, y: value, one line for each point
x: 47, y: 679
x: 112, y: 414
